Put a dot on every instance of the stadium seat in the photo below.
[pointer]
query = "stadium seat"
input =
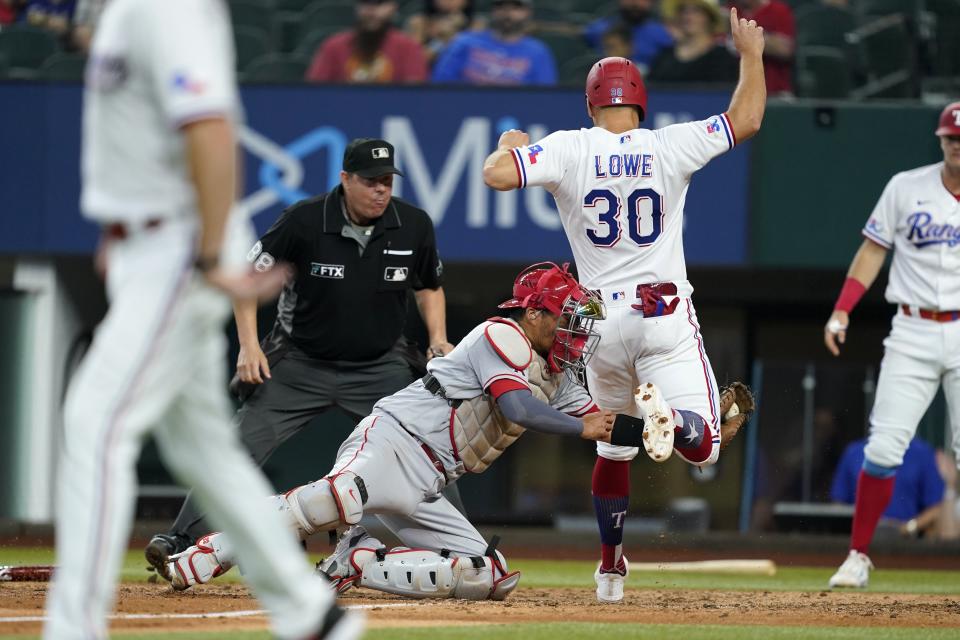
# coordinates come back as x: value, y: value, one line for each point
x: 251, y: 43
x: 322, y: 13
x: 822, y: 72
x: 310, y: 42
x: 945, y: 46
x: 824, y: 26
x: 564, y: 47
x: 64, y: 66
x: 886, y: 50
x: 26, y: 49
x: 573, y: 72
x: 251, y: 13
x: 909, y: 8
x: 276, y: 68
x: 4, y: 66
x: 291, y: 5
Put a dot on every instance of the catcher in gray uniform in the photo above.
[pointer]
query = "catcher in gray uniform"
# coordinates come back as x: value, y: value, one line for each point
x: 521, y: 371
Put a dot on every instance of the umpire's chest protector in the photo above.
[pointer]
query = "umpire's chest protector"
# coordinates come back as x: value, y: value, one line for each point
x: 480, y: 431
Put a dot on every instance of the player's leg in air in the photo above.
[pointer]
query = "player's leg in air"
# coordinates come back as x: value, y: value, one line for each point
x: 654, y: 368
x: 905, y: 388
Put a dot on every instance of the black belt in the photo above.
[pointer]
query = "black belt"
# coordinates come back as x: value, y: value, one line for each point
x: 433, y: 385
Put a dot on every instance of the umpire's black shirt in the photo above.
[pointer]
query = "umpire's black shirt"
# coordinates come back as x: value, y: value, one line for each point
x: 344, y: 305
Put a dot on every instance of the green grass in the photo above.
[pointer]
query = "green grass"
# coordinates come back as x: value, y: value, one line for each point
x: 576, y: 574
x: 571, y: 573
x: 591, y: 631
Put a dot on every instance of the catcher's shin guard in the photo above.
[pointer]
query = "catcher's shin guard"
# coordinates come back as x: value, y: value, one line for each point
x: 419, y: 573
x: 324, y: 504
x: 212, y: 556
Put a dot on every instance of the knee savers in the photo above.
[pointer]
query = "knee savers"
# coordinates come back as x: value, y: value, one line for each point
x: 419, y: 573
x: 323, y: 505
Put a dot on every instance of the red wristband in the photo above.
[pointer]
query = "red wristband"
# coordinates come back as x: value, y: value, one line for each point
x: 850, y: 295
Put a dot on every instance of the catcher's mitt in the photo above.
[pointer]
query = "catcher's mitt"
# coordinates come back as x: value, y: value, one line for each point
x: 735, y: 395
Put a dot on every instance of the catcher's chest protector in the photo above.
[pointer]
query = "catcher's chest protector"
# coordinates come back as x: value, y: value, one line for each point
x: 480, y: 431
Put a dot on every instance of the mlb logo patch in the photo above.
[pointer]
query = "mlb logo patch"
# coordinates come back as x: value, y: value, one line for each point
x: 334, y: 271
x: 380, y: 153
x: 625, y: 139
x: 618, y: 295
x: 395, y: 274
x: 182, y: 82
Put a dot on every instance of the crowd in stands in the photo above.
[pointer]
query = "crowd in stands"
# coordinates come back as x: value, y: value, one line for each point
x: 815, y: 44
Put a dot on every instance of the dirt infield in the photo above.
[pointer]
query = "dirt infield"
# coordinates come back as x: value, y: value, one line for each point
x: 644, y: 606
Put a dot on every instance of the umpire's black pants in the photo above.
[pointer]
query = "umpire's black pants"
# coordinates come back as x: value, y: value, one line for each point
x: 300, y: 389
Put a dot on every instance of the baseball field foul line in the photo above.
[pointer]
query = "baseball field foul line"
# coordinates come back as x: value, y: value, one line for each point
x: 218, y: 614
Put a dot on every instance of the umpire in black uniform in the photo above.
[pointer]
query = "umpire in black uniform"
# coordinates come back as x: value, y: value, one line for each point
x: 338, y: 339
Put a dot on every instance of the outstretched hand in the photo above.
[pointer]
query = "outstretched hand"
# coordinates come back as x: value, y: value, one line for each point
x: 747, y: 35
x: 597, y: 426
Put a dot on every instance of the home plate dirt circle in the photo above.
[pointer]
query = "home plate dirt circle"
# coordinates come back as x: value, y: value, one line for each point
x: 154, y: 607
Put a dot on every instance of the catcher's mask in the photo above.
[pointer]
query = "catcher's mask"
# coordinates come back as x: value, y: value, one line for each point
x: 547, y: 286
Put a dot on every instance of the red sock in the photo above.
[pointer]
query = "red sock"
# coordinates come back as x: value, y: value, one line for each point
x: 873, y: 496
x: 611, y: 495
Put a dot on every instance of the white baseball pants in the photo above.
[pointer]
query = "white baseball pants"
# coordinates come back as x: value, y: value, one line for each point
x: 918, y: 355
x: 156, y: 367
x: 665, y: 350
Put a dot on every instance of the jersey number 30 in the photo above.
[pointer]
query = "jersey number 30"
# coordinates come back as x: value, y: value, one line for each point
x: 611, y: 217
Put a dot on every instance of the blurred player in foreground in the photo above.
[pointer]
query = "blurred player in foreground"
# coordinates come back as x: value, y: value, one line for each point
x: 918, y: 216
x: 620, y: 191
x: 159, y: 176
x: 511, y: 373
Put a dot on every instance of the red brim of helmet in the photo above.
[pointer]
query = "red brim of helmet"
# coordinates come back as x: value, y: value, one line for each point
x: 512, y: 303
x: 948, y: 131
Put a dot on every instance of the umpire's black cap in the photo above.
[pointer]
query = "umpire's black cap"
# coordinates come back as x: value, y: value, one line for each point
x: 369, y: 158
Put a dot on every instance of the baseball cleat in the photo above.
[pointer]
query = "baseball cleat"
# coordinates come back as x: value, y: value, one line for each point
x: 610, y: 584
x: 854, y: 572
x: 161, y: 547
x: 339, y: 624
x: 339, y: 566
x: 658, y: 424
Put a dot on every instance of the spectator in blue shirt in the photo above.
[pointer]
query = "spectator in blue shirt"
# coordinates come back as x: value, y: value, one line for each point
x: 650, y: 37
x: 917, y: 492
x: 501, y: 55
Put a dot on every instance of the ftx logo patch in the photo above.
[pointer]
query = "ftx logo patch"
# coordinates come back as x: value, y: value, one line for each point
x: 334, y: 271
x: 395, y: 274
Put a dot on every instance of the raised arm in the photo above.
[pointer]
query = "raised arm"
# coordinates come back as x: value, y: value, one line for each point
x: 863, y: 271
x: 499, y: 169
x: 750, y: 97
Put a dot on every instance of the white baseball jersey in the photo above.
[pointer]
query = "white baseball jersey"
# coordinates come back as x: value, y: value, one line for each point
x: 920, y: 219
x: 621, y: 196
x: 154, y: 66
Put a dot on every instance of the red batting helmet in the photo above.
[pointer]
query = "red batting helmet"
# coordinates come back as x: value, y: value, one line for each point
x: 615, y: 82
x: 950, y: 121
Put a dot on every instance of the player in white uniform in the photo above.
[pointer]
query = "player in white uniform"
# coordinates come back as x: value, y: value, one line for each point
x: 918, y: 216
x: 620, y: 191
x: 506, y: 375
x: 159, y: 175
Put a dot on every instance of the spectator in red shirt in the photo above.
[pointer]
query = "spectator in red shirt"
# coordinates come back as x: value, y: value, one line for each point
x: 374, y: 51
x: 8, y: 11
x: 779, y: 32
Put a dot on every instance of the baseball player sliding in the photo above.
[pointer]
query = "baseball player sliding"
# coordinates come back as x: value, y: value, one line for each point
x: 620, y: 191
x: 510, y: 373
x: 159, y: 176
x: 918, y: 216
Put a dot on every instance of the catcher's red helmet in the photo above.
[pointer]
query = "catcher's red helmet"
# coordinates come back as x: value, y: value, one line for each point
x: 615, y: 82
x: 544, y: 286
x: 950, y: 120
